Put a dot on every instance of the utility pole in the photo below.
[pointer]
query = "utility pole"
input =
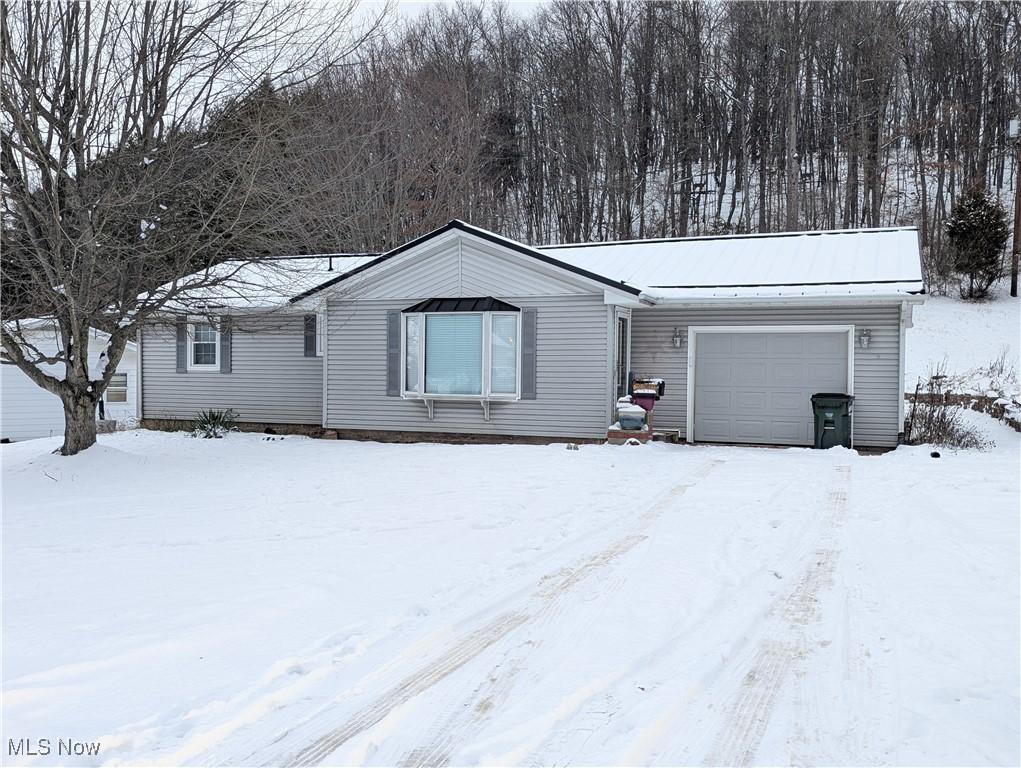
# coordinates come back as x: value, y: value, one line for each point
x: 1015, y: 256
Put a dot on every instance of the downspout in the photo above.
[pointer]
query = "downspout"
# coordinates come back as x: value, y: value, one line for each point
x: 904, y: 324
x: 138, y: 374
x: 326, y: 352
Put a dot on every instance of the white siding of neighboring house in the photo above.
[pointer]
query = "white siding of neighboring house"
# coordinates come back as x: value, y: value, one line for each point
x: 29, y: 411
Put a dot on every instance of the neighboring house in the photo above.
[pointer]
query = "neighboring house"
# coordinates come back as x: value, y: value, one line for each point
x: 28, y: 411
x: 462, y: 331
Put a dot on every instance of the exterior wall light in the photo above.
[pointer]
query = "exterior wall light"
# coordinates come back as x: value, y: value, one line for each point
x: 677, y: 339
x: 864, y: 338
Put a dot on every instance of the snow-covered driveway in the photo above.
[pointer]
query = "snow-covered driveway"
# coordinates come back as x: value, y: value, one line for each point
x: 313, y: 603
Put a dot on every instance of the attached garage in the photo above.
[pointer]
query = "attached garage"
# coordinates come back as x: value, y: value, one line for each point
x: 754, y: 385
x: 744, y: 329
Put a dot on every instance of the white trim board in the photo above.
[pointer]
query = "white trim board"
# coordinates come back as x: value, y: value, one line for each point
x: 694, y: 330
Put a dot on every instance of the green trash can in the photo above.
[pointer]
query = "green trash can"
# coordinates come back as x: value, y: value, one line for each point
x: 832, y: 419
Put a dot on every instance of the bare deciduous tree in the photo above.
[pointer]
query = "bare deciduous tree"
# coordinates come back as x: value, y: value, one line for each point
x: 143, y: 145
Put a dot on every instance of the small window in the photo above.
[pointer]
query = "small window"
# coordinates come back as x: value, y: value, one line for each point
x: 320, y: 332
x: 504, y: 357
x: 204, y: 343
x: 315, y: 334
x: 117, y: 390
x: 412, y: 343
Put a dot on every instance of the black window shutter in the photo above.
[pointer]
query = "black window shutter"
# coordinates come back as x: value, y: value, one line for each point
x: 310, y: 335
x: 393, y: 353
x: 528, y: 357
x: 226, y: 342
x: 182, y: 345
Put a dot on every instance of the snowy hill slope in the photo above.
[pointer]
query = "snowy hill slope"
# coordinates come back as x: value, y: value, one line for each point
x: 969, y: 337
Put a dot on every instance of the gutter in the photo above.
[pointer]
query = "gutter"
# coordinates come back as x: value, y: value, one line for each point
x: 779, y: 301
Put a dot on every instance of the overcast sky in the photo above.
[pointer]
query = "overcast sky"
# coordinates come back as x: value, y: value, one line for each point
x: 412, y: 8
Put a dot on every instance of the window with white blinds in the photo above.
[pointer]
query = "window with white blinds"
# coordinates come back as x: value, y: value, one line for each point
x: 504, y: 357
x: 466, y: 354
x: 453, y: 354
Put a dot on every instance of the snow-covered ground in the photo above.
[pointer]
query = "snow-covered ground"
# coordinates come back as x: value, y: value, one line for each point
x: 250, y: 601
x: 968, y: 337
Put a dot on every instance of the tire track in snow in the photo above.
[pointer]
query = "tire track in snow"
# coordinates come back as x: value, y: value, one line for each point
x: 549, y: 590
x: 784, y: 645
x: 465, y: 716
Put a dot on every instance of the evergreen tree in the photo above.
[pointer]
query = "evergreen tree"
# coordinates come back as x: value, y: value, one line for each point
x: 977, y: 229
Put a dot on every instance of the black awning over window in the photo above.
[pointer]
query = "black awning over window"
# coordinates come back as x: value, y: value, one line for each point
x: 475, y: 304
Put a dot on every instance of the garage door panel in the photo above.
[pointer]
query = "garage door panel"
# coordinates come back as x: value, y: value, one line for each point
x: 786, y: 432
x: 784, y: 343
x: 715, y: 429
x: 754, y: 345
x: 716, y: 344
x: 787, y: 402
x: 745, y: 395
x: 712, y: 373
x: 750, y: 402
x: 827, y: 375
x: 786, y: 374
x: 826, y: 344
x: 751, y: 430
x: 716, y: 399
x: 750, y: 373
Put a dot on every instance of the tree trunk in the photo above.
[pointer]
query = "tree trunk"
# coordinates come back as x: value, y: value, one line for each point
x: 79, y: 423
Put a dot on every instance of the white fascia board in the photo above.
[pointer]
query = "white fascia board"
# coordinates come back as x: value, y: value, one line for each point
x: 625, y: 299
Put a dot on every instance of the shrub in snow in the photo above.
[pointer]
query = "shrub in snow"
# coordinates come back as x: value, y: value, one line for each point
x: 214, y: 424
x: 935, y: 420
x: 978, y: 232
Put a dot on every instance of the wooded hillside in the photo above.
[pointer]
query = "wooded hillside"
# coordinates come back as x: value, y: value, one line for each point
x: 647, y: 119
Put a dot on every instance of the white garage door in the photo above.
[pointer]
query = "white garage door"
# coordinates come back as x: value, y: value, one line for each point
x: 757, y: 387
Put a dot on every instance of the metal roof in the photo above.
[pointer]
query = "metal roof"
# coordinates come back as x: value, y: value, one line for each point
x: 786, y: 264
x: 476, y: 304
x: 485, y: 234
x: 848, y: 263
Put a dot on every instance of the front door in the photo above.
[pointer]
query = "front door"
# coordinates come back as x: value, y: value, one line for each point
x: 623, y: 355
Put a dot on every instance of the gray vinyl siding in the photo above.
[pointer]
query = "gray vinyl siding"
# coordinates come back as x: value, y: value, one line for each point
x: 877, y: 388
x: 270, y: 381
x: 463, y: 267
x: 571, y: 379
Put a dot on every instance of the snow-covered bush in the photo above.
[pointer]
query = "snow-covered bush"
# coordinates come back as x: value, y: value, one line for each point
x: 214, y: 424
x: 936, y: 419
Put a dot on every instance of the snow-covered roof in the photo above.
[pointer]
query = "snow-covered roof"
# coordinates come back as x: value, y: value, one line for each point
x: 44, y: 325
x: 271, y: 282
x: 850, y: 262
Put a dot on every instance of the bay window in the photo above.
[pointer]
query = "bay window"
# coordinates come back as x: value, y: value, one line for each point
x: 461, y: 354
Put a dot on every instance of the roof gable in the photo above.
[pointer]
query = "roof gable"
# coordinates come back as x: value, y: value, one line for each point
x: 565, y: 270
